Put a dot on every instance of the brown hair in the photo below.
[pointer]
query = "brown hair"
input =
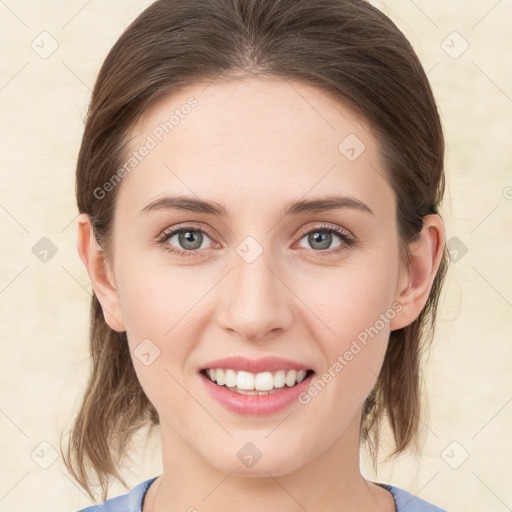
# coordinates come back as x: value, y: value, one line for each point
x: 346, y: 48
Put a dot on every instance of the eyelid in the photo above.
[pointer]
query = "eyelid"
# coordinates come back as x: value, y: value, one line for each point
x: 303, y: 231
x: 328, y: 227
x: 184, y: 226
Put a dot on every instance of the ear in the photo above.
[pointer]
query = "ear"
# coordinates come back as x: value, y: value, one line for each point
x: 100, y: 274
x: 416, y: 280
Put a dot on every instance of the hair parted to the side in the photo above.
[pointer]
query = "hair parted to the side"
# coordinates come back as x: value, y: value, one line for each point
x: 346, y: 48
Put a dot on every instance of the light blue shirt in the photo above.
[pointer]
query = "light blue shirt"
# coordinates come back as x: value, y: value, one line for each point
x: 132, y: 501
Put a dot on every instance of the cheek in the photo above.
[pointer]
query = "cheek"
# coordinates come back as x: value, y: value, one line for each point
x: 350, y: 300
x: 158, y: 304
x: 355, y: 308
x: 358, y: 315
x: 158, y: 300
x: 162, y: 310
x: 165, y: 315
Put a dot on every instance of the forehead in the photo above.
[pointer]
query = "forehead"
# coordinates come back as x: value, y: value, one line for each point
x: 251, y: 140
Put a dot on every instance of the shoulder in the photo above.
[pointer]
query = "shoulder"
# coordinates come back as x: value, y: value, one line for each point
x: 407, y: 502
x: 129, y: 502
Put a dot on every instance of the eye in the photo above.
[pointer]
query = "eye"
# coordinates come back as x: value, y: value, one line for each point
x: 322, y: 237
x: 188, y: 240
x: 184, y: 241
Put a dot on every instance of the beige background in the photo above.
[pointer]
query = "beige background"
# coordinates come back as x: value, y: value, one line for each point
x: 44, y: 306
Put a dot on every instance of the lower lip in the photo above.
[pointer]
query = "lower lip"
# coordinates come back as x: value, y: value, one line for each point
x: 255, y: 404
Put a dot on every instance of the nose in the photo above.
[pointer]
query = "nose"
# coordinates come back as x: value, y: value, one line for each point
x: 258, y: 303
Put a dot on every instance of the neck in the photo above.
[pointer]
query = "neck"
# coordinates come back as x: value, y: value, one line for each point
x: 330, y: 482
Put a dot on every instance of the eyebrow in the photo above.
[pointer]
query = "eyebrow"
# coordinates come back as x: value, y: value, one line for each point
x: 194, y: 204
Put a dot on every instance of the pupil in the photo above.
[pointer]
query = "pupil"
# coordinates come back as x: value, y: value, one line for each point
x: 189, y: 239
x: 323, y: 238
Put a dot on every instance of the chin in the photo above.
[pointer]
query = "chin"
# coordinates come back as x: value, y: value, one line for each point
x: 251, y: 461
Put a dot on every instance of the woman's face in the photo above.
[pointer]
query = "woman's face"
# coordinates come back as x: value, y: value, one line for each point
x: 248, y: 278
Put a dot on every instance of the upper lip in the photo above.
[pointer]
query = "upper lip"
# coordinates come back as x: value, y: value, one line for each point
x: 263, y: 364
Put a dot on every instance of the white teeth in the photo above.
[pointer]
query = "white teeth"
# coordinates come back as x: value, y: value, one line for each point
x: 220, y: 377
x: 280, y: 379
x: 259, y: 383
x: 245, y: 380
x: 301, y: 374
x: 291, y: 378
x: 264, y: 381
x: 230, y: 378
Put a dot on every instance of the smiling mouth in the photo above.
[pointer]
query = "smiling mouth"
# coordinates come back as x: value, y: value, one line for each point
x: 257, y: 384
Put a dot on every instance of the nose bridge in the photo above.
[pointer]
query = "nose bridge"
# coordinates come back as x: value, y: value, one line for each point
x: 257, y: 302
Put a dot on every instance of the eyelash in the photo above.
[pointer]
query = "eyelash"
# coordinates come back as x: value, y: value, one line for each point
x: 347, y: 239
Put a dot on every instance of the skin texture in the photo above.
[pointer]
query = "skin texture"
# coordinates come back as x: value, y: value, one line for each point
x: 253, y: 146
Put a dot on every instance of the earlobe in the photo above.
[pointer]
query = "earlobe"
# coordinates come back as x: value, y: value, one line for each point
x: 100, y: 274
x: 416, y: 281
